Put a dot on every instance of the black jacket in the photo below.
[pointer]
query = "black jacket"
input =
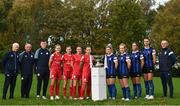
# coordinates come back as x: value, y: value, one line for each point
x: 167, y: 59
x: 11, y: 63
x: 27, y: 61
x: 41, y: 61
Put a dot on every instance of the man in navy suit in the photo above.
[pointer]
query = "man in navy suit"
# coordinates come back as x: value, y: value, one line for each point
x: 42, y: 56
x: 26, y: 59
x: 167, y: 59
x: 11, y: 67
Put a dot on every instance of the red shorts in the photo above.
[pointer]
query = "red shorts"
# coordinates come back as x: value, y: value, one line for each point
x: 67, y: 75
x: 76, y: 77
x: 86, y: 78
x: 56, y: 74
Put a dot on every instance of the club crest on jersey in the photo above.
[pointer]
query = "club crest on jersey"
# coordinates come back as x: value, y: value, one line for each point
x: 25, y: 55
x: 165, y: 53
x: 38, y: 74
x: 121, y: 58
x: 47, y: 53
x: 12, y: 56
x: 52, y: 76
x: 31, y: 56
x: 41, y: 52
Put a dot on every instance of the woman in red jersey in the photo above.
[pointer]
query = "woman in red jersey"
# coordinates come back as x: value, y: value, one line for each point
x: 55, y: 71
x: 86, y: 64
x: 77, y: 71
x: 67, y: 61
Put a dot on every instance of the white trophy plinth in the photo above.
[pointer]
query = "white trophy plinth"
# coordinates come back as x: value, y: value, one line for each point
x: 98, y: 82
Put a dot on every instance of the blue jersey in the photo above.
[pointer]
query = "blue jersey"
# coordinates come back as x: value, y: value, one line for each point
x: 148, y: 57
x: 136, y: 62
x: 42, y: 59
x: 122, y: 64
x: 109, y: 62
x: 26, y: 60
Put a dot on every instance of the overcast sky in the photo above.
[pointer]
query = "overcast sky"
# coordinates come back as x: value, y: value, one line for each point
x: 162, y: 2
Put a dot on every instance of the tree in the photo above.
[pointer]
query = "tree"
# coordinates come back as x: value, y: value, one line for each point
x: 128, y: 22
x: 5, y: 7
x: 167, y: 25
x: 73, y: 22
x: 5, y: 37
x: 149, y: 13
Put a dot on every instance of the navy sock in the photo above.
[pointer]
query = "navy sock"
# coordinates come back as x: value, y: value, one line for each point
x: 147, y: 87
x: 151, y: 87
x: 124, y: 92
x: 135, y: 89
x: 114, y: 91
x: 139, y: 90
x: 109, y: 89
x: 127, y: 90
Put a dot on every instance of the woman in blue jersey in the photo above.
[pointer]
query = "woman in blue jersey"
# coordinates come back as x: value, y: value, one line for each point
x: 149, y: 54
x: 124, y: 65
x: 137, y: 63
x: 110, y: 65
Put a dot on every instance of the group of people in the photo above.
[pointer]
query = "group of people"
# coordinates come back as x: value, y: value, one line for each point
x: 138, y: 63
x: 76, y: 68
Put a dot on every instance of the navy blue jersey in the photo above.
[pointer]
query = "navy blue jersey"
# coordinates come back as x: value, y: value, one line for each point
x: 109, y: 64
x: 42, y: 59
x: 26, y: 60
x: 167, y: 59
x: 148, y: 57
x: 11, y: 63
x: 122, y: 64
x: 136, y: 61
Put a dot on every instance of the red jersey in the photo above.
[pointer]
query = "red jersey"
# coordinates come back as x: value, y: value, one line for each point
x: 76, y: 65
x: 87, y: 64
x: 56, y: 61
x: 67, y: 62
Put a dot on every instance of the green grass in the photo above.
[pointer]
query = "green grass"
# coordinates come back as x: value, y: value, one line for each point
x: 34, y: 101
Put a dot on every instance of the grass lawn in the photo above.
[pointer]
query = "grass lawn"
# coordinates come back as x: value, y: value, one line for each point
x: 34, y: 101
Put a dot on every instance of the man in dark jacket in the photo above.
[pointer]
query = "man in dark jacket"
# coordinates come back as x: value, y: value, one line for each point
x: 26, y: 59
x: 10, y: 66
x: 42, y: 56
x: 167, y: 59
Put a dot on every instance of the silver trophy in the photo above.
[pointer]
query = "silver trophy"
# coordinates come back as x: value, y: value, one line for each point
x: 98, y: 59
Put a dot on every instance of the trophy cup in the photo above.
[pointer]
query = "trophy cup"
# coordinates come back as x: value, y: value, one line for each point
x: 98, y: 60
x: 98, y: 76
